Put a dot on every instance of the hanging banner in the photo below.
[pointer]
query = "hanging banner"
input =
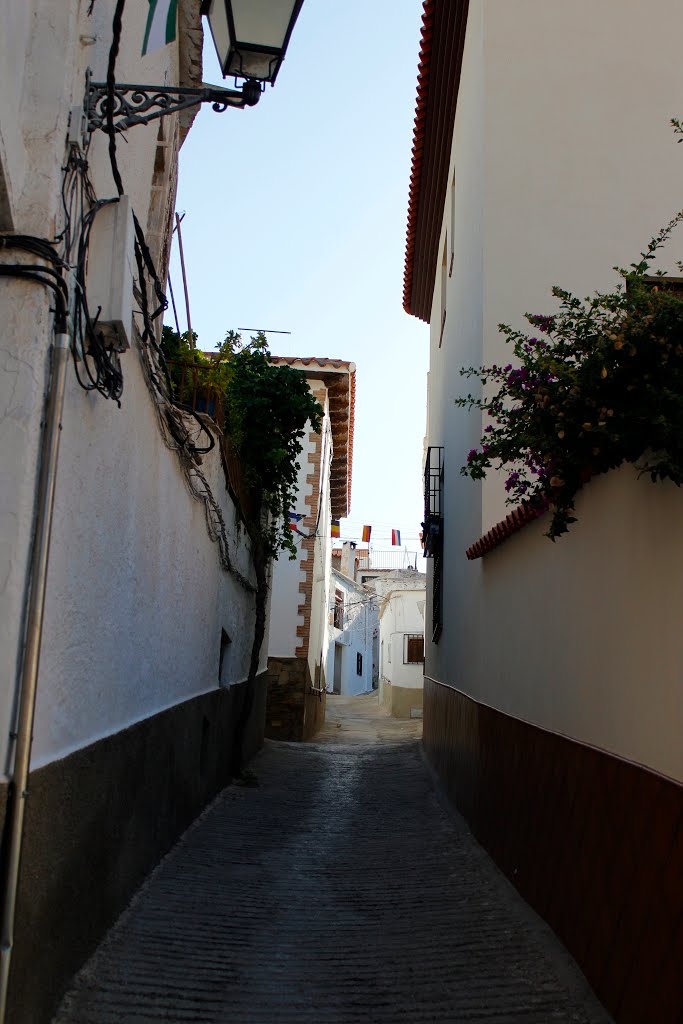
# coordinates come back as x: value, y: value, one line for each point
x: 335, y: 532
x: 161, y: 25
x: 367, y: 530
x: 396, y: 538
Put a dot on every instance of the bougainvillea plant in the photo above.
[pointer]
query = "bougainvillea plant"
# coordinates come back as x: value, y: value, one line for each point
x: 597, y: 384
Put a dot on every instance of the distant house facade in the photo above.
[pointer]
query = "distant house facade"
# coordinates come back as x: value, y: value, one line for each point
x: 553, y: 709
x: 401, y: 600
x: 300, y: 593
x: 353, y: 631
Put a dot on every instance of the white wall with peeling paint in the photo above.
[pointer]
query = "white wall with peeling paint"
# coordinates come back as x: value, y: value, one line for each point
x: 136, y: 598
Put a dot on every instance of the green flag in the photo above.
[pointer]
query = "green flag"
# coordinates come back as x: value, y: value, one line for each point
x: 161, y: 25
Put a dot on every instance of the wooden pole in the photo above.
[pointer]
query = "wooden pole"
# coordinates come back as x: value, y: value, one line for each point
x: 182, y: 267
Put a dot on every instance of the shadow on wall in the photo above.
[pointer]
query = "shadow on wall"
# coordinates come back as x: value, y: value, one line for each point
x: 593, y: 842
x: 99, y: 820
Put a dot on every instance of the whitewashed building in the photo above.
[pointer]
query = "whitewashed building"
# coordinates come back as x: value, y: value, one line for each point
x: 353, y: 633
x: 543, y: 155
x: 401, y: 609
x: 142, y: 699
x: 299, y: 638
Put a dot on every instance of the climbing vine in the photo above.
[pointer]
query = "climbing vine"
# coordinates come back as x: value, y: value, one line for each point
x: 266, y: 408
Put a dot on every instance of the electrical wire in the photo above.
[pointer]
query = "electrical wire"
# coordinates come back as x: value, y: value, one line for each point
x: 97, y: 366
x: 35, y: 272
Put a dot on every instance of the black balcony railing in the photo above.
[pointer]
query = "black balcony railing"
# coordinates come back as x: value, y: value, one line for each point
x: 432, y: 527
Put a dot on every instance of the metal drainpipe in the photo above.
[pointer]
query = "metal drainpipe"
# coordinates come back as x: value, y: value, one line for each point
x: 18, y: 786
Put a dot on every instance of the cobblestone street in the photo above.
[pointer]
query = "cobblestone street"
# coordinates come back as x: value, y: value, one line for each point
x: 337, y: 891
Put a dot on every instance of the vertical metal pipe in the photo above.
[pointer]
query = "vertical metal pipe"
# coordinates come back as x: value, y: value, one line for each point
x: 182, y: 267
x: 18, y: 786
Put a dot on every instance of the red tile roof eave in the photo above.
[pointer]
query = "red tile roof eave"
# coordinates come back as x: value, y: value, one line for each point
x: 334, y: 366
x: 352, y: 418
x: 442, y: 41
x: 423, y: 68
x: 498, y: 534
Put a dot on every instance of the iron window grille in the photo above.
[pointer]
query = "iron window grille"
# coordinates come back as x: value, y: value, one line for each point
x: 432, y: 530
x: 433, y: 499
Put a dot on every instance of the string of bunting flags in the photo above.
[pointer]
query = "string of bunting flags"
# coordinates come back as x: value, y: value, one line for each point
x: 294, y: 520
x: 366, y: 533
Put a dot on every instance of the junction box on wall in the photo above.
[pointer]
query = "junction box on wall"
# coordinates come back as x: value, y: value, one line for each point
x: 109, y: 277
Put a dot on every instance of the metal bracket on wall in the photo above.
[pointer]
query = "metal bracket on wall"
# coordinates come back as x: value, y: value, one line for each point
x: 140, y: 104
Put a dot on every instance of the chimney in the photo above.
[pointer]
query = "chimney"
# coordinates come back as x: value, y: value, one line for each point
x: 348, y: 559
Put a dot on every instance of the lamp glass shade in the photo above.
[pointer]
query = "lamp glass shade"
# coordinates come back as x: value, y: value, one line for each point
x: 251, y: 36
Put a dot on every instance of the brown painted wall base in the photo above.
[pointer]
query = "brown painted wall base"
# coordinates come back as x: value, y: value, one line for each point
x: 293, y: 711
x: 99, y: 820
x: 594, y: 843
x: 401, y: 701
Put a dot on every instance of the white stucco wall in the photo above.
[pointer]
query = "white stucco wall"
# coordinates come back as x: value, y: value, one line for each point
x: 136, y: 598
x: 565, y: 166
x: 322, y: 556
x: 360, y: 619
x: 289, y: 574
x: 401, y: 615
x: 583, y: 636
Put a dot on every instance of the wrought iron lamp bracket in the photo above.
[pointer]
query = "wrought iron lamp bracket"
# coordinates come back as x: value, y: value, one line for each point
x: 140, y: 104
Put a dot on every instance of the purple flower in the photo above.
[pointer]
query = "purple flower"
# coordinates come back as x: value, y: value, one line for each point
x: 511, y: 481
x: 489, y: 429
x: 471, y: 456
x: 546, y: 324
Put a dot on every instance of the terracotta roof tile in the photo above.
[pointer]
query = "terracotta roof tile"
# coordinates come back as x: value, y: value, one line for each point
x: 342, y: 416
x: 440, y: 60
x: 513, y: 523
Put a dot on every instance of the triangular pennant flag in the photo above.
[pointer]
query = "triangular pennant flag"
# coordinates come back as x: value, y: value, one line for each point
x: 396, y: 538
x: 367, y: 530
x: 335, y: 531
x: 161, y: 25
x: 294, y: 520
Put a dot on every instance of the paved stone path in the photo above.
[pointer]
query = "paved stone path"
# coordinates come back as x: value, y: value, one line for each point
x: 362, y: 720
x: 337, y: 892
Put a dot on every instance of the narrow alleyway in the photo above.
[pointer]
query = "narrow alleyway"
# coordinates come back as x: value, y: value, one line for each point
x: 362, y: 720
x: 337, y: 891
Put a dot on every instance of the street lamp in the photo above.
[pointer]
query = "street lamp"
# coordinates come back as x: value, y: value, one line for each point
x: 251, y: 39
x: 251, y: 36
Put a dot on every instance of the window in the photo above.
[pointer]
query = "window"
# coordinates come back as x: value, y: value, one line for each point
x: 359, y: 664
x: 338, y: 609
x: 413, y: 649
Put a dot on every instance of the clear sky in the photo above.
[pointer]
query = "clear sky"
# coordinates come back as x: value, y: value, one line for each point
x: 295, y: 220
